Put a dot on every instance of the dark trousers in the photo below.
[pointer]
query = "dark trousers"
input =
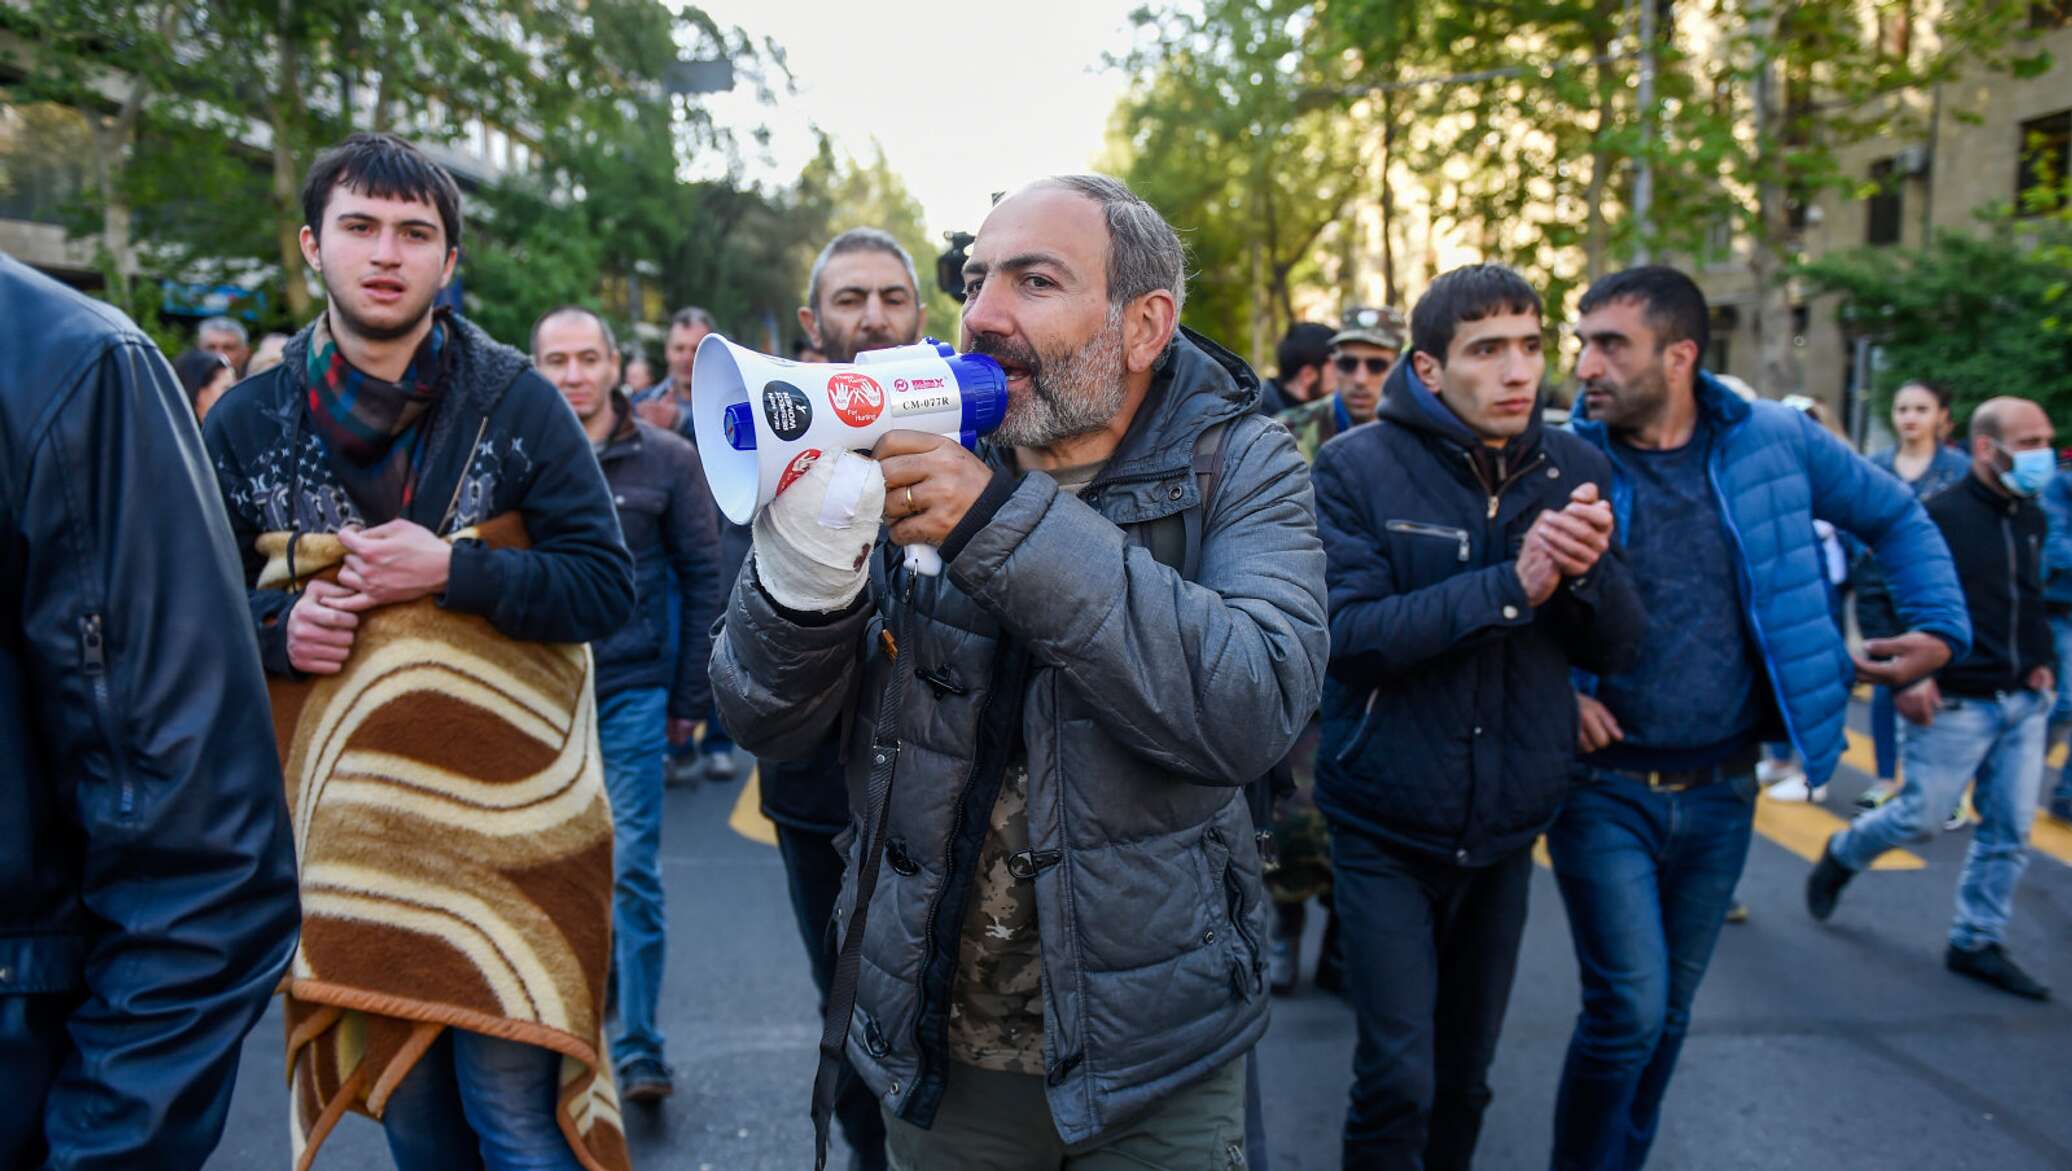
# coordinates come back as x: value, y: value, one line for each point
x: 813, y: 869
x: 1430, y: 949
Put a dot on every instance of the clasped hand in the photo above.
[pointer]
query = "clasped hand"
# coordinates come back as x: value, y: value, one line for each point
x: 1562, y: 544
x: 391, y: 563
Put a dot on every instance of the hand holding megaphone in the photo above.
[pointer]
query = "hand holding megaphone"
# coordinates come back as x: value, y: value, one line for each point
x: 763, y: 423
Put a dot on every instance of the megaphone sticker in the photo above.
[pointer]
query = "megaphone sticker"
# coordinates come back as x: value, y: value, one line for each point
x: 786, y: 408
x: 857, y: 398
x: 799, y: 466
x: 761, y: 422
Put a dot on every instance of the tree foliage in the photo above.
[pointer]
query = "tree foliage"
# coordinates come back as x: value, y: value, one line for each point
x: 1516, y: 131
x: 1935, y: 319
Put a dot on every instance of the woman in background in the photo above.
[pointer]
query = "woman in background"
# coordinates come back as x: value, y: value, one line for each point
x: 1921, y: 418
x: 205, y: 376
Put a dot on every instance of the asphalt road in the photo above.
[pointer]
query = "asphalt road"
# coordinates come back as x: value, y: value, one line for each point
x: 1844, y: 1047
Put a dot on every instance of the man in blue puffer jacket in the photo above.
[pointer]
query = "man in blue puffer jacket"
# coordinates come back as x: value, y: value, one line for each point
x: 1715, y: 500
x: 2057, y: 602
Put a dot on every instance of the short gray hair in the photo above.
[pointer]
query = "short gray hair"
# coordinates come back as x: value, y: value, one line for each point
x: 229, y: 325
x: 692, y: 317
x: 1144, y: 253
x: 859, y: 240
x: 611, y: 340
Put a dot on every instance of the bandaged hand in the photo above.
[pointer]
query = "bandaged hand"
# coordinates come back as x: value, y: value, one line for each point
x: 813, y: 543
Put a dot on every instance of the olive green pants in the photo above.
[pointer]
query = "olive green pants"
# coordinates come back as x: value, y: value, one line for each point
x: 1000, y: 1122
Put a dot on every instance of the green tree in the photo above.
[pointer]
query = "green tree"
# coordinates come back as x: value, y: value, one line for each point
x: 1934, y: 318
x: 1221, y: 133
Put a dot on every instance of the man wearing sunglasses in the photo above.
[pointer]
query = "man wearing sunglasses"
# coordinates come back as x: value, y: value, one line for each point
x: 1362, y: 355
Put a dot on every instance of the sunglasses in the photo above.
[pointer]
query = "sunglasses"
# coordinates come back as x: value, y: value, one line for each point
x: 1351, y: 365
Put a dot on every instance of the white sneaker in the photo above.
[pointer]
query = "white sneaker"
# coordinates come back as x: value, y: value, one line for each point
x: 1773, y: 772
x: 1793, y: 790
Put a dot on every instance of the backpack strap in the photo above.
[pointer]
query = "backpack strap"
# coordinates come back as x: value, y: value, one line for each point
x: 1208, y: 474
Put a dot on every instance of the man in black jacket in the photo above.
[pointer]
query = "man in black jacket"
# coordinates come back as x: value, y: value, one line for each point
x: 646, y: 696
x: 144, y: 850
x: 1471, y: 563
x: 863, y: 294
x: 396, y: 427
x: 1985, y: 715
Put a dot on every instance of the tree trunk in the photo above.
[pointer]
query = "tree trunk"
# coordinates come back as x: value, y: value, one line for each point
x: 1777, y: 372
x: 1594, y: 228
x: 286, y: 111
x: 1386, y: 201
x: 1259, y: 306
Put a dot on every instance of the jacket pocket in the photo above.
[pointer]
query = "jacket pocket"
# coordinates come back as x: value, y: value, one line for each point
x: 1463, y: 546
x: 1362, y: 733
x: 93, y: 664
x: 1246, y: 957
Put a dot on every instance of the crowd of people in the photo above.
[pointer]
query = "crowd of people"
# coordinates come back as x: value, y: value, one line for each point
x: 1204, y: 650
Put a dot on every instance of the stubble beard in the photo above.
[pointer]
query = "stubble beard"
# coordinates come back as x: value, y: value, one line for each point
x: 366, y: 330
x: 1077, y: 394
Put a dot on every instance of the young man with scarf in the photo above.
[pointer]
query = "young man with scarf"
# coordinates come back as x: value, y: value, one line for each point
x: 396, y: 428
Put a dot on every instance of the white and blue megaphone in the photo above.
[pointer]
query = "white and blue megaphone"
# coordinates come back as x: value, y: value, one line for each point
x: 762, y: 421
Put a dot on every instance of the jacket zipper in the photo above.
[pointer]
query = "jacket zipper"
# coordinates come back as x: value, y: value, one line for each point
x: 1747, y: 580
x: 93, y: 656
x: 1496, y: 500
x: 2014, y: 595
x: 1421, y: 529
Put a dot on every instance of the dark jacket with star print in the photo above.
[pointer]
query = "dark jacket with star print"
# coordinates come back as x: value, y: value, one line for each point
x: 501, y: 439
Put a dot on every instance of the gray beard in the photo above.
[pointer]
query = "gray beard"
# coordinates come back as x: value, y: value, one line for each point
x: 1074, y: 396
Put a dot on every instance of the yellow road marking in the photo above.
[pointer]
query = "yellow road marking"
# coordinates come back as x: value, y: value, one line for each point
x: 747, y: 818
x: 1804, y: 828
x: 1540, y: 854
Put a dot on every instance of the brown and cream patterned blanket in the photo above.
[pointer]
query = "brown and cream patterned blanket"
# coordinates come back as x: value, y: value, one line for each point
x: 455, y: 849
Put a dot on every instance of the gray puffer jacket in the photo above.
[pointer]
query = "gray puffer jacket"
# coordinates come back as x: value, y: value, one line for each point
x: 1143, y: 703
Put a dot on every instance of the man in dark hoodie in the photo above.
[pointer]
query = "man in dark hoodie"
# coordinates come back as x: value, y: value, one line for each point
x: 395, y: 427
x: 1470, y: 564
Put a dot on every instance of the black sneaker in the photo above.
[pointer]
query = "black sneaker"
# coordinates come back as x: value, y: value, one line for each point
x: 645, y: 1079
x: 1824, y: 885
x: 1990, y: 965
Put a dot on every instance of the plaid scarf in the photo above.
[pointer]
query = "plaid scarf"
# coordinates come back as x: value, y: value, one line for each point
x: 374, y: 423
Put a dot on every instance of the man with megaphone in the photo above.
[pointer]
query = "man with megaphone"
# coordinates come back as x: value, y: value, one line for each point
x: 1052, y: 927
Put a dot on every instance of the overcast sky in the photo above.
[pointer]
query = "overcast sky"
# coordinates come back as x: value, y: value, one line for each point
x: 966, y: 98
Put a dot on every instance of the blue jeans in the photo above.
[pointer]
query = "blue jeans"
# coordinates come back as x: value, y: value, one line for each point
x: 476, y: 1103
x: 633, y: 728
x: 1647, y: 877
x: 2000, y: 741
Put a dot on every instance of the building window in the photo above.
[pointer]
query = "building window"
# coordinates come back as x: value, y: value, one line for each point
x: 1881, y: 210
x: 2046, y: 144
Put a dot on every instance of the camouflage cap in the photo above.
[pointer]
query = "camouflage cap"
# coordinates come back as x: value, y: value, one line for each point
x: 1376, y: 326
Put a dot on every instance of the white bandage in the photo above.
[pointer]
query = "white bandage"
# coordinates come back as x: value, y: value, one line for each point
x: 813, y: 543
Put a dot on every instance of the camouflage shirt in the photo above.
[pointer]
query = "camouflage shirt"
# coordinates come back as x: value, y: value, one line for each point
x: 996, y: 1011
x: 1312, y: 424
x: 996, y: 1006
